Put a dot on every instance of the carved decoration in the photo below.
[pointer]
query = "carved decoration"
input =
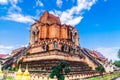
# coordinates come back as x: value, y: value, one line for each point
x: 34, y: 35
x: 45, y: 47
x: 74, y: 36
x: 55, y: 45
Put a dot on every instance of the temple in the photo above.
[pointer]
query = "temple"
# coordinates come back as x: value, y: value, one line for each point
x: 52, y: 42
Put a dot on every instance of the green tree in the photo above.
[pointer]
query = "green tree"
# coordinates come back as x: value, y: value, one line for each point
x: 119, y: 53
x: 100, y: 69
x: 67, y: 70
x: 14, y: 69
x: 20, y: 62
x: 117, y: 63
x: 10, y: 68
x: 27, y: 53
x: 60, y: 70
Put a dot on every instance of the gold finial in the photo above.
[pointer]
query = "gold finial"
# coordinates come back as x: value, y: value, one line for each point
x: 0, y: 69
x: 1, y: 73
x: 26, y: 74
x: 19, y: 73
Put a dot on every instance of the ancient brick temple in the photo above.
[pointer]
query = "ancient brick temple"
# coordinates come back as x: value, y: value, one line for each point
x: 52, y: 42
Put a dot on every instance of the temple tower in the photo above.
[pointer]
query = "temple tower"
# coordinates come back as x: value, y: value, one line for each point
x: 49, y: 27
x: 52, y: 42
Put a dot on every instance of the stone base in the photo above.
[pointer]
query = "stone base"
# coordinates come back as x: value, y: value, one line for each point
x: 44, y: 66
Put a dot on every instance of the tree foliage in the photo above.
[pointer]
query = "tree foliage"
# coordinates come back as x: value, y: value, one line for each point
x: 67, y: 70
x: 59, y: 70
x: 27, y: 53
x: 117, y: 63
x: 100, y: 69
x: 12, y: 68
x: 20, y: 62
x: 63, y: 64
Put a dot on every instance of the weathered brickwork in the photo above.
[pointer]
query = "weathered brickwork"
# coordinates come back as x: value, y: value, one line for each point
x: 52, y: 42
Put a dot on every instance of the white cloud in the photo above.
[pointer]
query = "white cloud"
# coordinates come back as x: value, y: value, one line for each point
x: 14, y: 9
x: 5, y: 49
x: 8, y: 49
x: 24, y: 45
x: 73, y: 16
x: 110, y: 52
x: 14, y: 1
x: 3, y: 2
x: 15, y: 13
x: 59, y: 3
x: 18, y: 18
x: 39, y: 3
x: 75, y: 20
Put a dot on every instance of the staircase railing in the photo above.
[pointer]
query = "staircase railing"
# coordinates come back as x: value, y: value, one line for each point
x: 14, y: 58
x: 90, y: 56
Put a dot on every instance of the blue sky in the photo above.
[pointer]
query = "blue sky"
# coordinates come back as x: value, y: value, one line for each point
x: 96, y: 20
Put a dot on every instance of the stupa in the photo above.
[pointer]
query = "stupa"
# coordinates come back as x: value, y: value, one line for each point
x: 52, y: 42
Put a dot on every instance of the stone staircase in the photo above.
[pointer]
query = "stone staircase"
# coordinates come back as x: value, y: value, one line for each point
x: 84, y: 51
x: 14, y: 58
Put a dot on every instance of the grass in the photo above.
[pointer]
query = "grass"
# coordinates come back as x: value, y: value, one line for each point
x: 9, y: 79
x: 106, y: 76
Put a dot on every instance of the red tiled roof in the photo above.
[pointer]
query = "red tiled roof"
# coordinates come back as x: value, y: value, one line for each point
x: 3, y: 55
x: 17, y: 50
x: 100, y: 55
x: 96, y: 54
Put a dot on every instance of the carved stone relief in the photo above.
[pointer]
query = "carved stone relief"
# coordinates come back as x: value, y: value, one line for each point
x: 74, y: 37
x: 55, y: 45
x: 45, y: 47
x: 34, y: 35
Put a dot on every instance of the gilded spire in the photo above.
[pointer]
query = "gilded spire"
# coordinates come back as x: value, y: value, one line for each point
x: 26, y: 74
x: 19, y: 73
x: 1, y: 73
